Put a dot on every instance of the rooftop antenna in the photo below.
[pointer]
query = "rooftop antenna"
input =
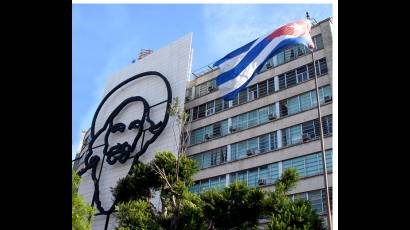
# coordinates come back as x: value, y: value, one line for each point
x: 314, y: 22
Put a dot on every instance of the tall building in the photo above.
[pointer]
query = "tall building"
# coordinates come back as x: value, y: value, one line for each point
x: 270, y: 126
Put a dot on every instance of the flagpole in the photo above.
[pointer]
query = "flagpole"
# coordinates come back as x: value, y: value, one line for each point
x: 322, y: 144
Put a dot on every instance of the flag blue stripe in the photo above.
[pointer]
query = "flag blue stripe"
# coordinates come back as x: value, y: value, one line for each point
x: 249, y: 57
x: 234, y: 53
x: 281, y: 46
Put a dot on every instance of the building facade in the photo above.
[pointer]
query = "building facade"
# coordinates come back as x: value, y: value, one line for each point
x: 270, y: 126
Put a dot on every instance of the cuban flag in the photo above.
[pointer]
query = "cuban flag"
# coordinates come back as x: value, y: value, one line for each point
x: 240, y: 66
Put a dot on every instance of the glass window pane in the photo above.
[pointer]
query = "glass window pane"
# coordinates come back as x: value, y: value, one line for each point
x: 253, y: 144
x: 305, y: 101
x: 234, y: 152
x: 318, y: 42
x: 293, y: 105
x: 252, y: 177
x: 299, y: 164
x: 264, y: 143
x: 282, y: 81
x: 274, y: 172
x: 262, y: 88
x: 252, y: 118
x: 312, y: 164
x: 198, y: 160
x: 241, y: 176
x: 242, y: 148
x: 283, y: 108
x: 201, y: 110
x: 214, y: 182
x: 224, y: 127
x: 273, y: 141
x: 315, y: 199
x: 207, y: 160
x: 296, y: 134
x: 218, y: 105
x: 302, y: 74
x: 291, y: 78
x: 280, y: 58
x: 243, y: 121
x: 264, y: 115
x: 243, y: 96
x: 264, y: 172
x: 323, y: 66
x: 195, y: 113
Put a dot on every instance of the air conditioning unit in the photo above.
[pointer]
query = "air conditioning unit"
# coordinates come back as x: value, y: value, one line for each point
x: 250, y: 152
x: 261, y: 182
x: 211, y: 88
x: 232, y: 129
x: 269, y: 65
x: 272, y: 116
x: 251, y: 96
x: 307, y: 137
x: 187, y: 98
x: 328, y: 99
x: 210, y: 111
x: 207, y: 136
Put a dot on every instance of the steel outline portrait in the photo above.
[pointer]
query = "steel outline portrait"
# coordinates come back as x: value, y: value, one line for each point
x: 121, y: 151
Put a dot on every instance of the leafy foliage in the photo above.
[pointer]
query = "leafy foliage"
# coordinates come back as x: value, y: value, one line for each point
x: 236, y: 206
x: 81, y: 212
x: 137, y: 185
x: 136, y: 214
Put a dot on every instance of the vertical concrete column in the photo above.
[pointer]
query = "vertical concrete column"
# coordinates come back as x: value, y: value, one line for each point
x: 227, y: 180
x: 230, y: 103
x: 277, y: 112
x: 276, y: 81
x: 229, y: 124
x: 279, y: 138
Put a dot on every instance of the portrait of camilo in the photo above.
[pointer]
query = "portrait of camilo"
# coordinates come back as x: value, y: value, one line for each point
x: 127, y: 121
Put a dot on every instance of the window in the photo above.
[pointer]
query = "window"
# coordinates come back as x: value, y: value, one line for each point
x: 253, y: 118
x: 305, y: 101
x: 283, y: 108
x: 280, y: 58
x: 252, y: 177
x: 274, y: 172
x: 318, y: 42
x: 243, y: 96
x: 210, y: 108
x: 218, y: 105
x: 292, y: 135
x: 273, y: 141
x: 195, y: 113
x: 253, y: 92
x: 263, y: 114
x: 201, y: 110
x: 264, y: 173
x: 315, y: 199
x: 327, y: 125
x: 198, y: 159
x: 309, y: 165
x: 262, y: 88
x: 242, y: 121
x: 282, y: 81
x: 302, y: 74
x: 271, y: 86
x: 293, y: 105
x: 264, y: 143
x: 291, y: 78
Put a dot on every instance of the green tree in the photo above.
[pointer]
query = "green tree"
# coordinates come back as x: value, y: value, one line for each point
x: 136, y: 214
x: 236, y: 206
x: 81, y: 213
x: 286, y: 214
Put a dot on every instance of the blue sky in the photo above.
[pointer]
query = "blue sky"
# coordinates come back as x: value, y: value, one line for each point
x: 107, y: 38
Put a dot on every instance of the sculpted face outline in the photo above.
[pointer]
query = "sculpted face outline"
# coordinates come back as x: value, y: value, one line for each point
x: 121, y: 151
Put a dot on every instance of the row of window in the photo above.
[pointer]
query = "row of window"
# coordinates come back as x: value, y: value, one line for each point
x: 285, y: 56
x: 261, y: 89
x: 211, y: 158
x: 308, y: 165
x: 268, y: 142
x: 215, y: 130
x: 304, y: 101
x: 316, y: 198
x: 263, y: 115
